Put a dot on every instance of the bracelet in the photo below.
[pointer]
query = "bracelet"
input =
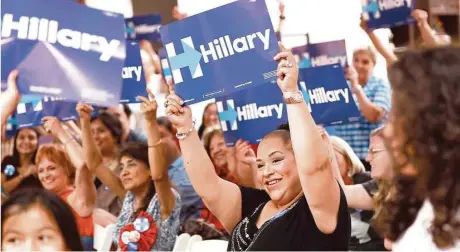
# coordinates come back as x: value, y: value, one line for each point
x: 156, y: 144
x: 182, y: 136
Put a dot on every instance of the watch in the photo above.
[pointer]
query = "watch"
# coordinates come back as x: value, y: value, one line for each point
x: 293, y: 97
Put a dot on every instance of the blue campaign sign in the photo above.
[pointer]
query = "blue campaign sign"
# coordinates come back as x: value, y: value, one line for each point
x: 30, y: 113
x: 331, y: 100
x: 251, y: 114
x: 146, y: 27
x: 164, y: 64
x: 387, y: 13
x: 221, y: 51
x: 321, y: 54
x: 69, y: 51
x: 133, y: 75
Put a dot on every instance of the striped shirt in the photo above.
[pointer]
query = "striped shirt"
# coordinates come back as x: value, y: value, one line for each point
x: 357, y: 134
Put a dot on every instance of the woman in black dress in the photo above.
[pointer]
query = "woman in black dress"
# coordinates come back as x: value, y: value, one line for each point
x: 302, y: 206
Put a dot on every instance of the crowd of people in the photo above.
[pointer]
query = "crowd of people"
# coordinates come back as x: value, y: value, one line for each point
x: 387, y: 182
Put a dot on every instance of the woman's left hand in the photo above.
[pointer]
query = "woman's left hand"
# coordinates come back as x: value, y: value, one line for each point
x: 53, y: 126
x: 288, y: 71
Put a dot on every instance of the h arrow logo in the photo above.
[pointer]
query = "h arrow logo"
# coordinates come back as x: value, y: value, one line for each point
x: 229, y: 115
x: 36, y: 101
x: 372, y: 7
x: 305, y: 61
x: 190, y: 58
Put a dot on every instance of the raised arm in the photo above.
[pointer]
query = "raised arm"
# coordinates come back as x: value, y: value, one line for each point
x: 93, y: 156
x: 221, y: 197
x: 373, y: 112
x: 386, y: 52
x: 157, y: 156
x: 316, y: 177
x: 428, y: 35
x: 83, y: 198
x: 9, y: 99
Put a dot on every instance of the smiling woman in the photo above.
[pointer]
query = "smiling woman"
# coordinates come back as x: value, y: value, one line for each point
x: 301, y: 206
x: 19, y: 170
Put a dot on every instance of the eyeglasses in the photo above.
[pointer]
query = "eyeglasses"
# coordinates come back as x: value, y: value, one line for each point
x: 373, y: 151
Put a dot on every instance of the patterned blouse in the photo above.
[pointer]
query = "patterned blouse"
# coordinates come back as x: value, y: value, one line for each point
x: 167, y: 229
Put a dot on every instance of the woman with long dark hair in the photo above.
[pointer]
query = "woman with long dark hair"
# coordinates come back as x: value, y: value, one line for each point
x: 19, y: 170
x: 423, y: 137
x: 38, y: 220
x: 302, y: 206
x: 150, y: 216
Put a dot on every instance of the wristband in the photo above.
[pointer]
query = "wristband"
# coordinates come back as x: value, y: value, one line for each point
x: 156, y: 144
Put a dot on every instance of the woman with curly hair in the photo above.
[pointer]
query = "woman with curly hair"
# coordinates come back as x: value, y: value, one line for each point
x: 421, y: 212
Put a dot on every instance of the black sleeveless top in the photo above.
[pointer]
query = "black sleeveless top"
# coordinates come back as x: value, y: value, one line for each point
x: 291, y: 230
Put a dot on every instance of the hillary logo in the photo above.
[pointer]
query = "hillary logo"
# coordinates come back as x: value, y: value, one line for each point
x: 245, y: 113
x: 42, y: 29
x: 217, y: 49
x: 375, y: 7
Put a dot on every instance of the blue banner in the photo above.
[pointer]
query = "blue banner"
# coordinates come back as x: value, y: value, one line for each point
x: 387, y: 13
x: 251, y: 114
x: 133, y: 75
x: 63, y: 49
x: 146, y: 27
x: 29, y: 114
x: 321, y: 54
x: 220, y: 51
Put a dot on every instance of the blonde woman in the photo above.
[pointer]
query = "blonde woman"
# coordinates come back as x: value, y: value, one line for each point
x: 351, y: 169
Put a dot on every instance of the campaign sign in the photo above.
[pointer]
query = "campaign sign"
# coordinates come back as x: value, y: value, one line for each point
x: 164, y: 64
x: 330, y: 98
x: 221, y: 51
x: 387, y: 13
x: 321, y: 54
x: 251, y: 114
x: 301, y: 56
x: 146, y: 27
x: 30, y: 114
x: 68, y: 50
x: 133, y: 75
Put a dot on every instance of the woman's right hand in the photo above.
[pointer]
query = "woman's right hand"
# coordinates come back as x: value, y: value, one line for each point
x: 180, y: 117
x: 84, y: 111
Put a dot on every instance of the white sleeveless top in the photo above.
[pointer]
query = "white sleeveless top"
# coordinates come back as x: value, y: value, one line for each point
x: 417, y: 237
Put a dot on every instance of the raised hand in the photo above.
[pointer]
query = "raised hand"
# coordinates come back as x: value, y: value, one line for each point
x: 84, y: 111
x: 288, y: 71
x: 244, y: 153
x: 149, y: 106
x: 180, y: 117
x: 363, y: 24
x: 10, y: 98
x: 352, y: 76
x: 53, y: 126
x: 420, y: 15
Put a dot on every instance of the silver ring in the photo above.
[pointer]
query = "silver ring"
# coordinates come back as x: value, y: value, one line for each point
x: 289, y: 64
x: 166, y: 104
